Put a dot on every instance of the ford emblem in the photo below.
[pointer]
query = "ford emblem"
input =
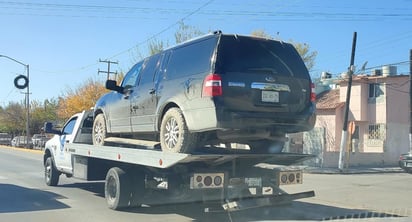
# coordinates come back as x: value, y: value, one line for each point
x: 270, y: 79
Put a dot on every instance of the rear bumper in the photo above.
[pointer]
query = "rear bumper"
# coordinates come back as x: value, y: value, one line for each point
x: 284, y: 122
x: 212, y: 118
x: 405, y: 164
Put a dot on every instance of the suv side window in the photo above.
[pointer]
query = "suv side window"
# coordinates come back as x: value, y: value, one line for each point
x: 148, y: 70
x: 131, y: 77
x: 191, y: 59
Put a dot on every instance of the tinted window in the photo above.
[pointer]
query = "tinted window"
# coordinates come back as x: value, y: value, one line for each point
x: 244, y: 54
x: 149, y: 69
x: 191, y: 59
x: 131, y: 77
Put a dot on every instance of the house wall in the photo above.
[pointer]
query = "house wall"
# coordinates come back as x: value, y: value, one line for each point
x: 398, y: 115
x: 398, y: 89
x: 391, y: 109
x: 326, y: 119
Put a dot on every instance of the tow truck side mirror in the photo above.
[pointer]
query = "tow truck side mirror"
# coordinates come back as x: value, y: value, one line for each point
x: 48, y: 128
x: 112, y: 85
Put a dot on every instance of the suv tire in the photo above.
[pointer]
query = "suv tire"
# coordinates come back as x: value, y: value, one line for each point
x: 174, y: 134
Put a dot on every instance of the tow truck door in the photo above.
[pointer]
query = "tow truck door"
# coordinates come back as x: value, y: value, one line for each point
x: 62, y: 156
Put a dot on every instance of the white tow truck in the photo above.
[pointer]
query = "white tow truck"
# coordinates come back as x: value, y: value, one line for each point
x: 138, y: 172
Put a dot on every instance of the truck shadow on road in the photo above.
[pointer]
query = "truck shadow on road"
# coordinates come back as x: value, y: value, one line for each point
x: 15, y: 199
x: 295, y: 210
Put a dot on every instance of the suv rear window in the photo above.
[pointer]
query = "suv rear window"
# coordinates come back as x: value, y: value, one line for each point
x: 246, y: 54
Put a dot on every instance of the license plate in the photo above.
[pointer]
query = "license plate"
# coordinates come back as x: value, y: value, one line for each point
x: 270, y: 96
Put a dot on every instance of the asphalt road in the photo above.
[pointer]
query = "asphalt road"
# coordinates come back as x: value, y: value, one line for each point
x: 25, y: 197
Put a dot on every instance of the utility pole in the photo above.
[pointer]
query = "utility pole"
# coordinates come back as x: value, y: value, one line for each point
x: 25, y: 85
x: 410, y: 101
x: 108, y: 72
x: 344, y: 138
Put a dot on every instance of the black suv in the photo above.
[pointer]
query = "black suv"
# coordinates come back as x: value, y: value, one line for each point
x: 215, y: 90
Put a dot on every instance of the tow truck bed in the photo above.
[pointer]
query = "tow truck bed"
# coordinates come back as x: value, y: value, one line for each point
x: 159, y: 159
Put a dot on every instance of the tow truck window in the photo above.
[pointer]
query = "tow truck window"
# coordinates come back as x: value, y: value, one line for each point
x: 68, y: 129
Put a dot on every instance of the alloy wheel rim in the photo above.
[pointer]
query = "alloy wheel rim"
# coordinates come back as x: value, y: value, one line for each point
x: 172, y: 133
x: 98, y: 132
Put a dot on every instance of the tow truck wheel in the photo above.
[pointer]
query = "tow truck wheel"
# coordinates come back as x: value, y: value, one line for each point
x: 99, y: 130
x: 51, y: 174
x: 117, y: 189
x: 174, y: 134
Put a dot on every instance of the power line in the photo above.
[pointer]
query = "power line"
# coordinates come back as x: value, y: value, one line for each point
x: 138, y: 44
x: 100, y: 11
x: 108, y: 72
x: 164, y: 30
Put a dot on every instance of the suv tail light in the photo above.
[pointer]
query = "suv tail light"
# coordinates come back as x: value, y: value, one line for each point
x: 212, y: 85
x: 312, y: 92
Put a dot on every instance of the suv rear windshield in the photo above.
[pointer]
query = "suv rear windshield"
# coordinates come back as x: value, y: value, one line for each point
x: 246, y: 54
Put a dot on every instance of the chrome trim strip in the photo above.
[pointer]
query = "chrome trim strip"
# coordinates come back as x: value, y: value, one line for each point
x: 270, y: 86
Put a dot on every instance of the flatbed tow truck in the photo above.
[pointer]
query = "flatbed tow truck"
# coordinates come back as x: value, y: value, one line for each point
x: 138, y: 172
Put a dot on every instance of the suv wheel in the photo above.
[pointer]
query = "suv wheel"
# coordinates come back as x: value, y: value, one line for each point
x: 174, y: 135
x: 99, y: 130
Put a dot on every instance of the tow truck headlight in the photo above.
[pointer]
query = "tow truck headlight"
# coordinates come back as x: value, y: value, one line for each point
x: 207, y: 180
x: 290, y: 177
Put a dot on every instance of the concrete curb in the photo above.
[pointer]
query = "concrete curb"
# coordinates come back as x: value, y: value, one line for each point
x: 21, y: 149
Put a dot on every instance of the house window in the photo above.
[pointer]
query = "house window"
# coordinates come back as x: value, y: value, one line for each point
x: 375, y: 90
x: 377, y: 132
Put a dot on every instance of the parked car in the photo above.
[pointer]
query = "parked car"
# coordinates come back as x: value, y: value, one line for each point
x: 20, y: 141
x: 39, y: 140
x: 405, y: 162
x: 5, y: 139
x: 216, y: 89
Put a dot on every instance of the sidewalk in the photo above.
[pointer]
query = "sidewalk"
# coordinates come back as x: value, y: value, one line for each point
x: 353, y: 170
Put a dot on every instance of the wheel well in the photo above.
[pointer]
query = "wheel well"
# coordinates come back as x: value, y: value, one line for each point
x: 165, y: 109
x: 97, y: 112
x: 47, y: 154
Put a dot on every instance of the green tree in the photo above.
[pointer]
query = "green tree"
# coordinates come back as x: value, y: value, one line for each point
x: 186, y: 32
x: 183, y: 33
x: 41, y: 113
x: 13, y: 118
x: 307, y: 55
x: 156, y: 46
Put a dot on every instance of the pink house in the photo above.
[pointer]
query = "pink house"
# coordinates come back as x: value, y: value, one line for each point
x: 378, y: 121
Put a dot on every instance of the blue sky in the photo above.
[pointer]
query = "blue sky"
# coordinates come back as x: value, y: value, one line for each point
x: 62, y: 41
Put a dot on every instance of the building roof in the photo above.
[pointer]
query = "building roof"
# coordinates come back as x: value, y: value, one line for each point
x: 329, y: 100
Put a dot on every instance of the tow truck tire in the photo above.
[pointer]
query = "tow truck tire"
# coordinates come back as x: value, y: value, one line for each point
x: 117, y: 189
x: 99, y: 130
x: 51, y: 174
x: 174, y: 134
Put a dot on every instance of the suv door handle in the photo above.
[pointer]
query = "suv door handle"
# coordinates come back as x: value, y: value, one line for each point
x: 152, y: 91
